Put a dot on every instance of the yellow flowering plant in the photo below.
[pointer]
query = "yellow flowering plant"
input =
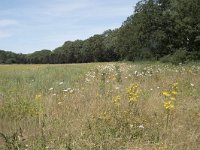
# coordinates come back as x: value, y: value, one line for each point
x: 170, y: 98
x: 133, y: 93
x: 116, y: 100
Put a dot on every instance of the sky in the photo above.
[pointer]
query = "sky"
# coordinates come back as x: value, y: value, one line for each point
x: 31, y: 25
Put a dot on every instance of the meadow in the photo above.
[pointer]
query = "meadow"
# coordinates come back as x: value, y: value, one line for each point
x: 99, y: 106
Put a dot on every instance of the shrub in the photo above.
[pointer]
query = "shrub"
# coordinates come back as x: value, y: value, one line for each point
x: 180, y: 56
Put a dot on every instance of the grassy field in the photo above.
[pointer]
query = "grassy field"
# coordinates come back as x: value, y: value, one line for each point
x: 139, y: 106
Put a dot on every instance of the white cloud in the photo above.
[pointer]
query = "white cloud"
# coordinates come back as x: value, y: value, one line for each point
x: 7, y: 22
x: 5, y: 25
x: 4, y: 34
x: 49, y: 23
x: 77, y: 10
x: 61, y: 9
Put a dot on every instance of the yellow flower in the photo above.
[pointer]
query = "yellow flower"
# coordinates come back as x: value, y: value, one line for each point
x: 174, y: 92
x: 116, y: 100
x: 38, y: 97
x: 133, y: 93
x: 166, y: 93
x: 168, y: 105
x: 172, y: 98
x: 175, y: 84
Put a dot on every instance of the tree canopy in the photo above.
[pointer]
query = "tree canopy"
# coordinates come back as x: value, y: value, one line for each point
x: 166, y: 30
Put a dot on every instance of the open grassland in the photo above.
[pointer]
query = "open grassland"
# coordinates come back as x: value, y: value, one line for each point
x: 100, y: 106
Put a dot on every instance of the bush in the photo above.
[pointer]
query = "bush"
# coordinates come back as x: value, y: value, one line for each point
x: 194, y: 56
x: 180, y: 56
x: 166, y: 59
x: 10, y: 61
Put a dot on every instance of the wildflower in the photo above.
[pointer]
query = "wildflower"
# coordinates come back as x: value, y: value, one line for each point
x: 131, y: 126
x: 174, y: 92
x: 135, y: 72
x: 168, y: 105
x: 175, y: 85
x: 133, y: 93
x: 172, y: 98
x: 38, y: 97
x: 141, y: 126
x: 166, y: 93
x: 116, y: 100
x: 50, y: 89
x: 71, y: 91
x: 87, y: 80
x: 117, y: 88
x: 192, y: 84
x: 60, y: 83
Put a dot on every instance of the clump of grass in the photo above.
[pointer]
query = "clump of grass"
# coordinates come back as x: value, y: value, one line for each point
x: 100, y: 106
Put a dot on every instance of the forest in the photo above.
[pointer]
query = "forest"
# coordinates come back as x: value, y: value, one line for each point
x: 158, y: 30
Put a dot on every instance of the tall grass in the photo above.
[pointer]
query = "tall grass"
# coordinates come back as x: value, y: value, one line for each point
x: 99, y: 106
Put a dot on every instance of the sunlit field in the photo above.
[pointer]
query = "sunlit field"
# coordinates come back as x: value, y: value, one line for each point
x: 139, y: 106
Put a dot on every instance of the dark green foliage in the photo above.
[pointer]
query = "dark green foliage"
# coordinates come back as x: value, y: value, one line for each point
x: 39, y: 57
x: 160, y: 28
x: 10, y: 57
x: 166, y: 30
x: 179, y: 57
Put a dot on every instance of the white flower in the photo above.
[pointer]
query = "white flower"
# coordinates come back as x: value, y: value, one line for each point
x: 117, y: 88
x: 141, y: 126
x: 71, y: 91
x: 54, y: 94
x: 50, y: 89
x: 131, y: 126
x: 87, y: 80
x: 67, y: 90
x: 60, y: 83
x: 192, y: 84
x: 151, y: 89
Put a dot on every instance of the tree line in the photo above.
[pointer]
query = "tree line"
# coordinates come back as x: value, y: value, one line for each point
x: 165, y: 30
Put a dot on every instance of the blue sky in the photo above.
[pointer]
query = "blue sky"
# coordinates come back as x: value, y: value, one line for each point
x: 30, y: 25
